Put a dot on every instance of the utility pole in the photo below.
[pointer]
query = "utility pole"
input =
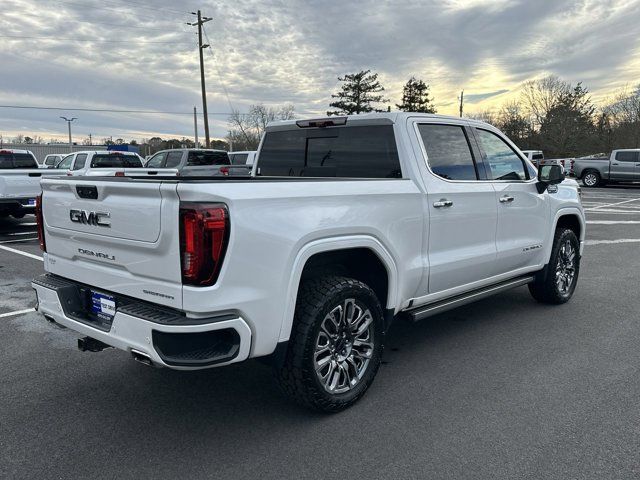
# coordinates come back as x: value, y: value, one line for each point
x: 201, y: 47
x: 195, y: 125
x: 69, y: 120
x: 90, y: 140
x: 461, y: 102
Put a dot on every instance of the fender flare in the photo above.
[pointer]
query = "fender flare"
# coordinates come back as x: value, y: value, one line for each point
x: 327, y: 245
x: 563, y: 212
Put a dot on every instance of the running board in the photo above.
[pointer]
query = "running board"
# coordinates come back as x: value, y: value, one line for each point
x: 424, y: 311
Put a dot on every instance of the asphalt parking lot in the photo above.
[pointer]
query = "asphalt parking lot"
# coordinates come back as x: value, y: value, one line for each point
x: 505, y: 388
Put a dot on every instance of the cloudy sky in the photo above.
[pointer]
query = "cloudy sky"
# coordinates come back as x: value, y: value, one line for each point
x: 140, y: 55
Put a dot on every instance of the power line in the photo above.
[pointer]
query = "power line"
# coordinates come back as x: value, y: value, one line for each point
x: 217, y: 67
x: 30, y: 37
x: 110, y: 110
x: 118, y: 8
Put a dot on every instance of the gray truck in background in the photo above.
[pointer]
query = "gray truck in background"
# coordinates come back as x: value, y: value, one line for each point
x: 620, y: 166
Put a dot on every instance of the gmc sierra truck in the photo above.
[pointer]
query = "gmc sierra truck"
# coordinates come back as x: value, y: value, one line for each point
x: 621, y: 166
x: 346, y: 223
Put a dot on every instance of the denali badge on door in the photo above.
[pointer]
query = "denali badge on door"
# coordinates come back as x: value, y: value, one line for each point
x: 97, y: 219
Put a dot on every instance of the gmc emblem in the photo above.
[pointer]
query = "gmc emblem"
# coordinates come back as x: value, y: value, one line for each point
x: 97, y: 219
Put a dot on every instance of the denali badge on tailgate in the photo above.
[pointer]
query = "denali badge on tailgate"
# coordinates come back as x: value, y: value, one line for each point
x: 97, y: 219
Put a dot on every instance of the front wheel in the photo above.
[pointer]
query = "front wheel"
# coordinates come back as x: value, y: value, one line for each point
x: 591, y: 179
x: 556, y: 283
x: 335, y: 346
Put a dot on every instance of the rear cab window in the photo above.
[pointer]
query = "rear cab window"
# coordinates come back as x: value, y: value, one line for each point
x: 349, y: 152
x: 114, y: 160
x: 9, y: 160
x: 207, y: 158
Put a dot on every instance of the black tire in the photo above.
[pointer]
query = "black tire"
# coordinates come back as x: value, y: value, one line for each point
x: 591, y: 179
x: 548, y: 284
x: 297, y: 375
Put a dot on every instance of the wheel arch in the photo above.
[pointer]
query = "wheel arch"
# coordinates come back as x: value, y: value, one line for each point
x: 572, y: 218
x: 323, y: 255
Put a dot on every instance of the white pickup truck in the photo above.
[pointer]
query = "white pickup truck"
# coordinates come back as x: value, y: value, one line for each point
x: 347, y: 223
x: 19, y: 182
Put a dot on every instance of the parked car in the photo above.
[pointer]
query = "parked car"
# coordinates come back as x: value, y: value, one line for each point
x: 348, y: 223
x: 99, y: 162
x: 534, y: 156
x: 621, y: 166
x: 195, y: 162
x: 51, y: 160
x: 19, y: 182
x: 567, y: 163
x: 243, y: 158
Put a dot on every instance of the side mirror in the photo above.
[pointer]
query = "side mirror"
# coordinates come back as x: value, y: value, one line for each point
x: 550, y: 174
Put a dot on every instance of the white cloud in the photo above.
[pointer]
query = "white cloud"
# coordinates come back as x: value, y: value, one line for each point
x: 281, y: 51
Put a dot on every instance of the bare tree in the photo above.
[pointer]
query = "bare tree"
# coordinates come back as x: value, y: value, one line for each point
x: 543, y: 95
x: 246, y: 129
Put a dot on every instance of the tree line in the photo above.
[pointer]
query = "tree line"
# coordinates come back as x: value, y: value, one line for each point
x: 551, y: 114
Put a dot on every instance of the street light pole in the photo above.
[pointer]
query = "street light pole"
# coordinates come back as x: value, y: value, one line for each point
x: 69, y: 120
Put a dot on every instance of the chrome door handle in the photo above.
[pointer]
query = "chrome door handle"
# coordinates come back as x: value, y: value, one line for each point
x: 506, y: 199
x: 443, y: 203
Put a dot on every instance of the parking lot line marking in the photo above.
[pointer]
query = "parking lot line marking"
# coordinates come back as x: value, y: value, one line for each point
x: 613, y: 204
x: 17, y: 312
x: 608, y: 242
x: 19, y: 240
x: 614, y: 222
x: 15, y: 234
x: 20, y: 252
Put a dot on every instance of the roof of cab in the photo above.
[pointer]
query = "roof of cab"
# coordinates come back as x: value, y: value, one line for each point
x: 14, y: 150
x: 377, y: 118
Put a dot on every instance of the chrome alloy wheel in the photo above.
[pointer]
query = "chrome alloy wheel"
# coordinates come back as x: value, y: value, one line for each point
x: 590, y: 179
x: 344, y: 346
x: 566, y: 267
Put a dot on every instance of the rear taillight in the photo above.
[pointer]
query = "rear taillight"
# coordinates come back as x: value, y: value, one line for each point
x: 224, y: 170
x: 40, y: 223
x: 204, y: 232
x: 119, y: 174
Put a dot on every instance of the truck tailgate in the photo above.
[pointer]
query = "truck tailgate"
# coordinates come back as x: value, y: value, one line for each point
x: 22, y: 183
x: 122, y: 237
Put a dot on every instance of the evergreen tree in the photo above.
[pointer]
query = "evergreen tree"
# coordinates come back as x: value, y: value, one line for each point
x: 415, y: 97
x: 359, y: 94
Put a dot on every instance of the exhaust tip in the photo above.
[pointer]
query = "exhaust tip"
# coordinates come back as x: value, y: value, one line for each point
x: 141, y: 357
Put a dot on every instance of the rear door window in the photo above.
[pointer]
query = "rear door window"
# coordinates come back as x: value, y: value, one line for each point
x: 81, y: 160
x: 448, y: 151
x: 348, y: 152
x: 627, y: 156
x: 504, y: 163
x: 200, y: 158
x: 173, y: 159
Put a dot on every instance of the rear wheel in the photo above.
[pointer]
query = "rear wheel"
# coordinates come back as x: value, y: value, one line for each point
x: 556, y: 283
x: 591, y: 179
x: 335, y: 346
